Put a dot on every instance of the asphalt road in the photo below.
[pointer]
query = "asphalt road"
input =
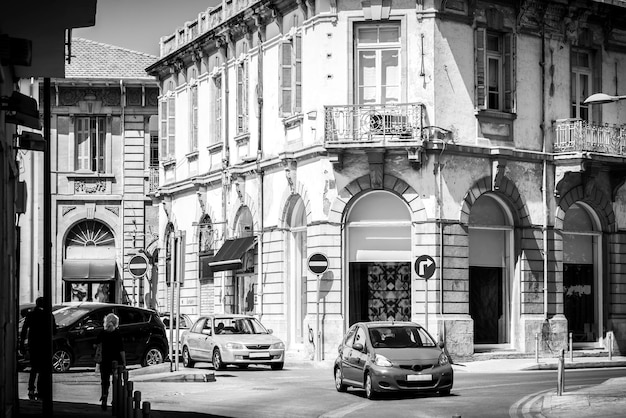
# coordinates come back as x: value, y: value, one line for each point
x: 309, y: 392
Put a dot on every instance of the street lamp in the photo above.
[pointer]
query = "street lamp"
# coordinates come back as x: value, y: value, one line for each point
x: 602, y: 98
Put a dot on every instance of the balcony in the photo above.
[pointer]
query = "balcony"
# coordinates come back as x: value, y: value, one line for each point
x: 575, y: 135
x: 373, y: 125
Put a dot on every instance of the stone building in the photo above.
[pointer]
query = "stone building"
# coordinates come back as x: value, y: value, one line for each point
x: 384, y: 134
x: 104, y: 137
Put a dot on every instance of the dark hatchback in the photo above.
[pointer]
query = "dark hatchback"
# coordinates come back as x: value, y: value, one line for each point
x: 78, y: 326
x: 392, y: 357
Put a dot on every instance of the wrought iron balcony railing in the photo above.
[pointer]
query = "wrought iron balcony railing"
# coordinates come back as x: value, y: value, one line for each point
x: 579, y: 135
x: 373, y: 124
x: 153, y: 180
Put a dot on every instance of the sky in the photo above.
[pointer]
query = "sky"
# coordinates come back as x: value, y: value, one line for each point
x: 139, y: 24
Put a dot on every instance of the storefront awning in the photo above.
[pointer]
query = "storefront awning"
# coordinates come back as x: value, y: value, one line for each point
x: 230, y: 256
x: 89, y: 270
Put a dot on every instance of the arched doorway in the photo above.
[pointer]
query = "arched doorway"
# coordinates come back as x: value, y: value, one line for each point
x: 206, y: 250
x: 582, y: 285
x: 296, y: 269
x: 89, y: 267
x: 378, y: 237
x: 245, y: 279
x: 490, y: 271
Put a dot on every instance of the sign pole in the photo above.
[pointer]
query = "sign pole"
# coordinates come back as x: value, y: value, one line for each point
x: 317, y: 319
x: 426, y: 304
x: 425, y: 268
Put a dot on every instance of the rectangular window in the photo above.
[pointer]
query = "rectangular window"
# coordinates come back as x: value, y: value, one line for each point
x: 494, y: 70
x: 580, y: 84
x: 91, y: 144
x: 291, y: 75
x: 193, y: 117
x: 242, y: 97
x: 217, y: 110
x: 378, y: 64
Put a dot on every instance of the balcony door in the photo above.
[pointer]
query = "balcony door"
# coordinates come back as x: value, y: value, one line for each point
x: 377, y: 53
x: 580, y: 84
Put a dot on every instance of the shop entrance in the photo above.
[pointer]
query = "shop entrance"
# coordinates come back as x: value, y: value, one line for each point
x: 379, y: 255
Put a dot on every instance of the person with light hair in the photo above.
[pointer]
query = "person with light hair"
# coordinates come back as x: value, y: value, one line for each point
x: 112, y: 350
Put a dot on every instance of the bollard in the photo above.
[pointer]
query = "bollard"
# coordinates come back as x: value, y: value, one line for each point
x: 137, y: 404
x: 560, y: 384
x: 536, y: 347
x: 129, y: 400
x: 571, y: 348
x: 610, y: 335
x: 146, y: 410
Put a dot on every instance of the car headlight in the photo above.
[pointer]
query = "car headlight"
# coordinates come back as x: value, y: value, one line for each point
x: 443, y: 359
x: 277, y: 346
x: 235, y: 346
x: 382, y: 361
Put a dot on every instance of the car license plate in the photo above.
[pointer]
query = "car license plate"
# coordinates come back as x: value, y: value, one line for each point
x: 259, y: 355
x: 418, y: 377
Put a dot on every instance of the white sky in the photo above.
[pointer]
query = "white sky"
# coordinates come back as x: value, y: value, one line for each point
x: 139, y: 24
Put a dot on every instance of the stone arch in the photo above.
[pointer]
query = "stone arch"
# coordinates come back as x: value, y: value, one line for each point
x: 364, y: 183
x: 299, y: 190
x: 108, y: 219
x: 594, y: 198
x: 234, y: 210
x: 508, y: 190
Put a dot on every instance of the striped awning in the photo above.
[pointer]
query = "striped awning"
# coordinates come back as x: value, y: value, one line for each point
x: 230, y: 255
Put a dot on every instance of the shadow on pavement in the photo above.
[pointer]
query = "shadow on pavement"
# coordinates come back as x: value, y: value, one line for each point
x: 30, y: 409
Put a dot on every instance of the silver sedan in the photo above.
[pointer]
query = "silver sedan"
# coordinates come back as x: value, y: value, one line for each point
x: 231, y: 339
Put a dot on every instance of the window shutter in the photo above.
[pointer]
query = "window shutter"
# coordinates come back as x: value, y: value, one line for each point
x: 240, y: 98
x: 285, y: 78
x: 171, y: 125
x: 509, y: 72
x: 82, y: 143
x: 163, y: 132
x: 479, y: 71
x: 298, y: 70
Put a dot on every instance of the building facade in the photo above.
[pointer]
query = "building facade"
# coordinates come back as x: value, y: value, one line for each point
x: 383, y: 133
x: 101, y: 133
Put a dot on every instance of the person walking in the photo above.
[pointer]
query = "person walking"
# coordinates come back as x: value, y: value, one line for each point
x: 112, y: 350
x: 34, y: 329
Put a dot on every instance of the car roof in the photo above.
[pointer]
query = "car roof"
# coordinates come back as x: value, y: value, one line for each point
x: 225, y: 316
x: 375, y: 324
x: 97, y: 305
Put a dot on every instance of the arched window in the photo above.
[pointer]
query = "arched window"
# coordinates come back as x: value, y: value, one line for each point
x: 296, y: 277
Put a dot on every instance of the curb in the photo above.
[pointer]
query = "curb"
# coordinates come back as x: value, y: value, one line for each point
x: 585, y: 365
x: 171, y: 377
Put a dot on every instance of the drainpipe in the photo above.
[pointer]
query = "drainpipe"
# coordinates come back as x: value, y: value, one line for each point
x: 544, y: 182
x: 225, y: 160
x: 259, y: 156
x: 441, y: 244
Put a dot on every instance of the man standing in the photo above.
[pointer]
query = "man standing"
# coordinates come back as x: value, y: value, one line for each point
x: 34, y: 327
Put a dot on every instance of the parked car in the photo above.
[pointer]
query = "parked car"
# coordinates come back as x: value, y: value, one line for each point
x: 392, y: 356
x: 78, y: 325
x: 231, y: 339
x: 185, y: 322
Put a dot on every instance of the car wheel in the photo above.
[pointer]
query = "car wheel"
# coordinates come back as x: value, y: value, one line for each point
x: 370, y: 393
x: 217, y: 360
x: 187, y: 361
x: 278, y: 366
x: 339, y: 380
x: 61, y: 360
x: 152, y: 357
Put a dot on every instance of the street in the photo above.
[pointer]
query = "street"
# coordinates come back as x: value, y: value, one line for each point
x: 309, y: 392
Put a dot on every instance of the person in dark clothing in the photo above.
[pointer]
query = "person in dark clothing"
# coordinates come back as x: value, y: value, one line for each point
x: 112, y: 350
x: 34, y: 329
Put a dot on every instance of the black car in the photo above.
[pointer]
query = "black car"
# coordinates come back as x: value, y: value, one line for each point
x: 78, y: 325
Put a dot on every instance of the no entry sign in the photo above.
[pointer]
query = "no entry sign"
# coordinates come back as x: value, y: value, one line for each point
x: 138, y: 266
x: 318, y: 263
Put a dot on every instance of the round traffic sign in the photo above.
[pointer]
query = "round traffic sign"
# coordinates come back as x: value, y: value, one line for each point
x: 318, y: 263
x: 425, y: 266
x: 138, y: 265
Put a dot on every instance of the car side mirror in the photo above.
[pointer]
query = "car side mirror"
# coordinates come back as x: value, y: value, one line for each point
x: 207, y: 331
x: 270, y: 331
x: 358, y: 346
x: 441, y: 344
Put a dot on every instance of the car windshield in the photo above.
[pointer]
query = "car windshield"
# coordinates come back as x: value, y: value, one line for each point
x: 238, y: 326
x: 69, y: 315
x: 400, y: 337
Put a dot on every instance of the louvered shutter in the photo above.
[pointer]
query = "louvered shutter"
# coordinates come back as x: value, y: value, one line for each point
x: 298, y: 71
x: 163, y: 136
x: 286, y: 75
x: 480, y: 39
x: 509, y: 72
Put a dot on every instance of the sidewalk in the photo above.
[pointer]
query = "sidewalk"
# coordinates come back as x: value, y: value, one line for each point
x: 605, y: 400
